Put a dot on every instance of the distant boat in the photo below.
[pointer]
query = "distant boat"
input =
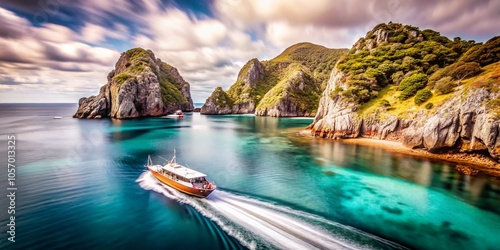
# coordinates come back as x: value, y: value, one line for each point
x: 182, y: 178
x: 176, y: 114
x: 57, y: 117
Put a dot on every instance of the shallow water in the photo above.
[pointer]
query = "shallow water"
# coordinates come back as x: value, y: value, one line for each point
x: 81, y: 184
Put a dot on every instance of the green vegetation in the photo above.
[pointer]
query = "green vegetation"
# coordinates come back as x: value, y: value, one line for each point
x: 170, y: 85
x: 445, y: 85
x: 382, y: 77
x: 318, y: 59
x: 405, y: 58
x: 306, y: 97
x: 457, y: 71
x: 494, y: 105
x: 336, y: 92
x: 121, y: 78
x: 410, y: 85
x: 221, y: 98
x: 484, y: 54
x: 422, y: 96
x: 138, y: 60
x: 281, y: 77
x: 384, y: 103
x: 488, y: 80
x: 464, y: 70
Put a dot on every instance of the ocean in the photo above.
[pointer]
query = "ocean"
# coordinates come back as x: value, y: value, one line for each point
x: 82, y: 184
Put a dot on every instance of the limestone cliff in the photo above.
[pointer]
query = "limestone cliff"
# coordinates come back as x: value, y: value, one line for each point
x: 238, y: 99
x: 288, y: 85
x: 436, y: 97
x: 140, y: 85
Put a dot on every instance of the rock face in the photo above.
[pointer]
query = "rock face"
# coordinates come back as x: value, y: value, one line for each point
x: 221, y: 103
x: 218, y: 103
x: 336, y: 118
x: 465, y: 120
x: 463, y: 123
x: 283, y: 99
x: 140, y: 85
x: 288, y: 85
x: 251, y: 76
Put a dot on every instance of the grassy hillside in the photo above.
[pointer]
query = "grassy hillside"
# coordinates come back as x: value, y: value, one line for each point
x: 319, y: 59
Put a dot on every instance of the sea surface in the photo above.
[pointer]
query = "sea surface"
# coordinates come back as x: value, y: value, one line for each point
x: 81, y: 184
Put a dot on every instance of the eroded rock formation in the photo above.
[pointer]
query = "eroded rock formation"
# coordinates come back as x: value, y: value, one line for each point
x: 140, y: 85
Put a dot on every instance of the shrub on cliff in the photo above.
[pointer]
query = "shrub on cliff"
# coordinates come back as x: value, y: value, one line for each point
x: 221, y: 98
x: 384, y: 103
x: 411, y: 84
x: 457, y: 71
x: 484, y: 54
x: 397, y: 77
x: 121, y: 78
x: 445, y: 85
x: 465, y: 70
x: 386, y: 57
x: 422, y: 96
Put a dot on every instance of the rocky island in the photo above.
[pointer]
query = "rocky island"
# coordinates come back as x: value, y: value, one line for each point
x: 400, y: 83
x: 140, y: 85
x: 288, y: 85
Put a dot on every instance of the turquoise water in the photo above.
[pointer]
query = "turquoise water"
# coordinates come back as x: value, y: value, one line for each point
x: 82, y: 185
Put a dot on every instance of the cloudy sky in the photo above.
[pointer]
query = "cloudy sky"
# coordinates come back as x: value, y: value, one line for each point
x: 61, y: 50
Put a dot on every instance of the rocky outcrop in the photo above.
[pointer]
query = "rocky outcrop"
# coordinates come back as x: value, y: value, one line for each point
x: 336, y: 117
x: 283, y: 100
x: 375, y: 93
x: 288, y: 85
x: 220, y: 103
x: 463, y: 122
x: 140, y: 85
x: 252, y: 73
x: 381, y: 34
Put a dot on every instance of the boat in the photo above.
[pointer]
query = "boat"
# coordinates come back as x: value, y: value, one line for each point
x: 176, y: 114
x: 57, y: 117
x: 182, y: 178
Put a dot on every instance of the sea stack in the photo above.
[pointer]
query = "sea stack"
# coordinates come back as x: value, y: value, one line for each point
x: 141, y: 85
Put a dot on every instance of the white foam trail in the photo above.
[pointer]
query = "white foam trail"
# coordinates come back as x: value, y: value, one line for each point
x: 147, y: 181
x: 258, y: 224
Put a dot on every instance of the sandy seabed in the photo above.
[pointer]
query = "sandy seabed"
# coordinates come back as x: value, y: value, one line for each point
x: 467, y: 163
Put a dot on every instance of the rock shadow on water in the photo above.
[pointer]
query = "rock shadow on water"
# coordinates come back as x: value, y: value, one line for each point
x: 445, y: 229
x: 392, y: 210
x: 371, y: 190
x: 329, y: 173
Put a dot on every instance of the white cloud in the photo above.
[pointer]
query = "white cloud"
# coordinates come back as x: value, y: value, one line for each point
x: 178, y: 31
x: 49, y: 60
x: 53, y: 33
x: 93, y: 33
x: 208, y: 50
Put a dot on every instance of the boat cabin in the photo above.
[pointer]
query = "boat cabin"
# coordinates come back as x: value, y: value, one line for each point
x: 178, y: 173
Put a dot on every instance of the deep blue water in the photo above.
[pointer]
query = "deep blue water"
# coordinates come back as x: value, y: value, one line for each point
x: 81, y: 185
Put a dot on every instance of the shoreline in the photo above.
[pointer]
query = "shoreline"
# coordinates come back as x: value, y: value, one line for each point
x: 474, y: 163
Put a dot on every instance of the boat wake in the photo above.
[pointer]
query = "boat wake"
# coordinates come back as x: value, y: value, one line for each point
x: 258, y: 224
